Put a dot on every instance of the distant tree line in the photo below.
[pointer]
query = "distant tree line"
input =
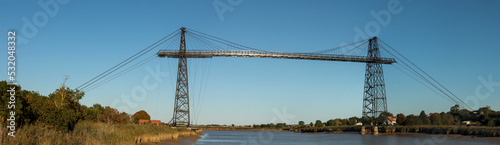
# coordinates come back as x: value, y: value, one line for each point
x: 484, y: 116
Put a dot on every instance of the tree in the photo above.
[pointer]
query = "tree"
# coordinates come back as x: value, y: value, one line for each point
x: 336, y: 122
x: 311, y: 124
x: 455, y: 109
x: 436, y: 119
x: 111, y: 115
x: 125, y: 118
x: 280, y: 125
x: 66, y: 96
x: 272, y: 125
x: 93, y: 112
x: 382, y: 117
x: 98, y: 107
x: 342, y: 121
x: 491, y: 123
x: 400, y: 118
x: 330, y: 122
x: 65, y: 110
x: 464, y: 114
x: 318, y: 123
x: 447, y: 119
x: 140, y: 115
x: 486, y: 110
x: 366, y: 120
x: 353, y: 121
x: 412, y: 120
x: 423, y: 117
x: 301, y: 122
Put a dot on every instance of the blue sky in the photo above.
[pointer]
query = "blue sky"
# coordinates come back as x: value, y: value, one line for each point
x: 453, y: 41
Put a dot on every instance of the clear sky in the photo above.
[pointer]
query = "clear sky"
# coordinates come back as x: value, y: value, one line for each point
x: 456, y: 42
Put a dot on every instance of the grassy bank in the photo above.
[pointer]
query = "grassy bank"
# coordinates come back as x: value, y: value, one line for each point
x: 92, y: 133
x: 462, y: 130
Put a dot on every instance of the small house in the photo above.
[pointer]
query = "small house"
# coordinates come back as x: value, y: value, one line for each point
x: 143, y: 121
x: 390, y: 120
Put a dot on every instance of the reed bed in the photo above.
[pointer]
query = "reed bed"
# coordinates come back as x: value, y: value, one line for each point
x: 92, y: 133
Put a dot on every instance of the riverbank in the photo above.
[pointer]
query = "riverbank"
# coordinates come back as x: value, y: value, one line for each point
x: 283, y: 137
x: 95, y: 133
x: 184, y: 140
x: 428, y: 129
x: 461, y: 130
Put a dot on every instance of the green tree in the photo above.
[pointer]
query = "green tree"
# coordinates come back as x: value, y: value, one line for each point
x: 318, y: 123
x: 8, y: 105
x: 311, y: 124
x: 272, y: 125
x: 400, y: 118
x: 343, y: 121
x: 111, y: 115
x: 464, y: 114
x: 330, y: 122
x: 140, y: 115
x: 423, y: 117
x: 64, y: 96
x: 447, y: 119
x: 301, y: 122
x: 491, y: 123
x: 436, y: 119
x: 412, y: 120
x: 63, y: 119
x: 66, y: 110
x: 125, y: 118
x: 366, y: 120
x: 455, y: 109
x: 93, y: 112
x: 353, y: 120
x: 280, y: 125
x: 486, y: 110
x: 382, y: 117
x: 98, y: 107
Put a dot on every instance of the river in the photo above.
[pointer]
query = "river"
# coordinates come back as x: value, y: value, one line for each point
x: 289, y: 138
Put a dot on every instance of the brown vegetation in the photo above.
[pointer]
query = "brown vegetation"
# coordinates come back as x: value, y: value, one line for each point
x: 93, y: 133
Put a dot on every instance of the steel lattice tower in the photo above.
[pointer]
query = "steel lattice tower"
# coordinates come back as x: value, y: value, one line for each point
x: 181, y: 108
x: 374, y: 99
